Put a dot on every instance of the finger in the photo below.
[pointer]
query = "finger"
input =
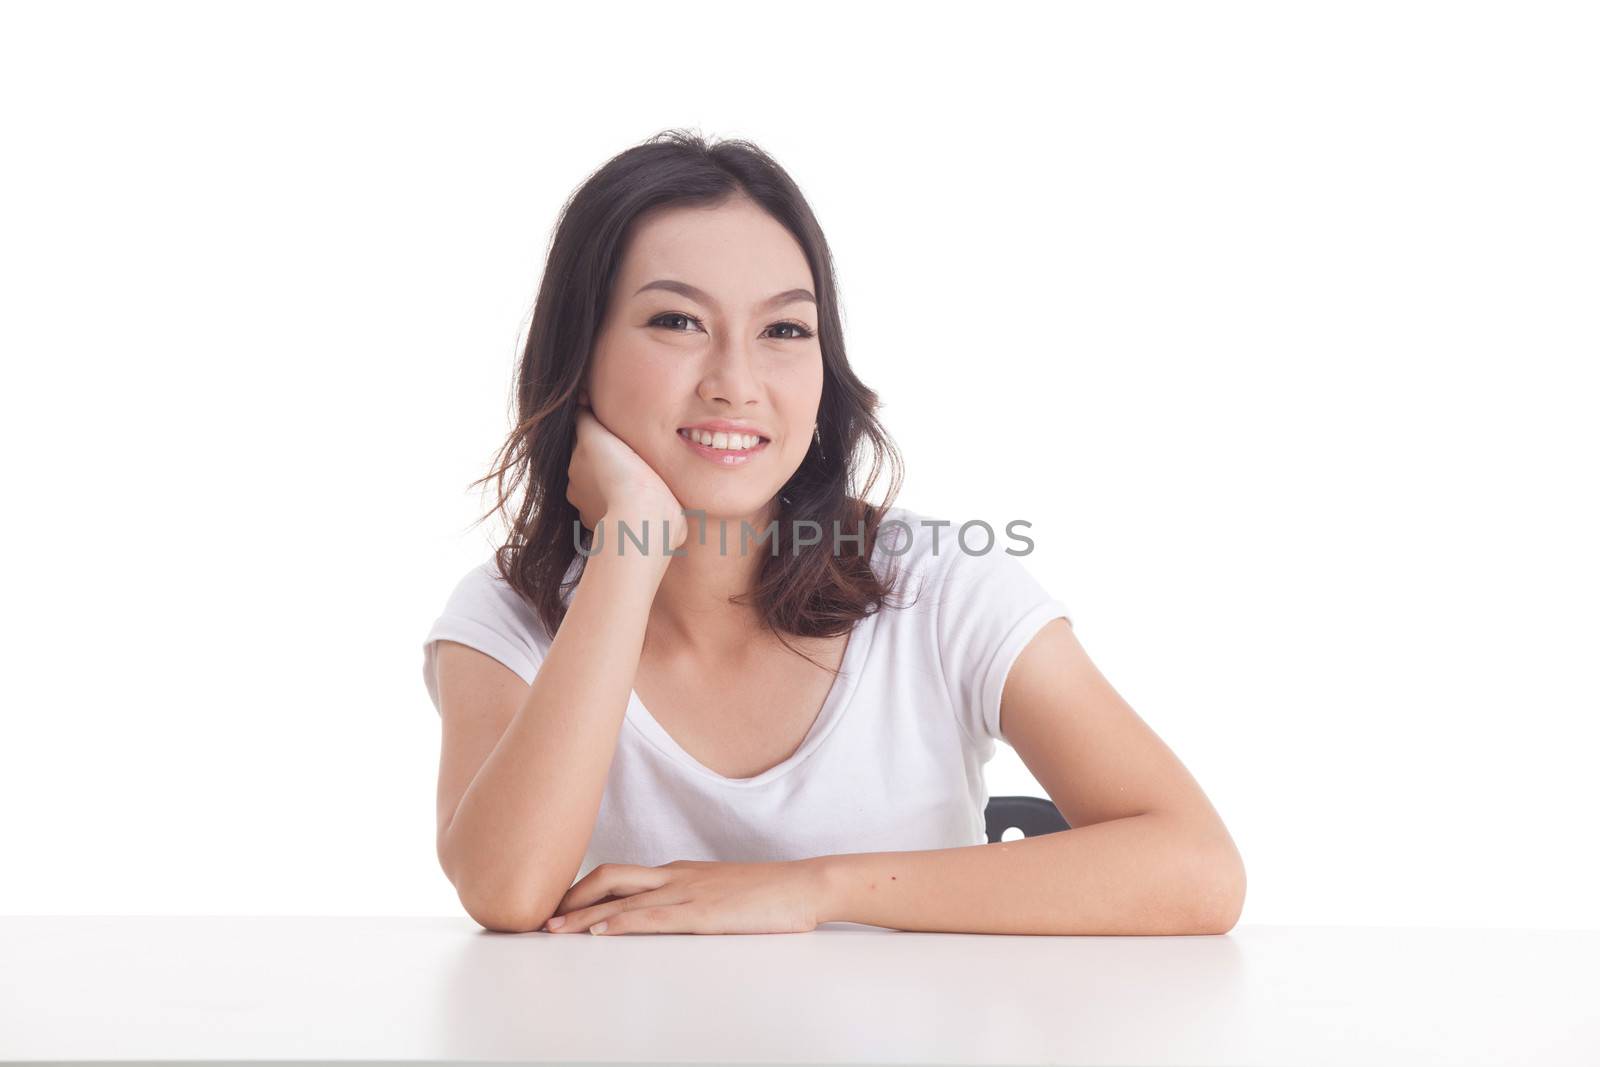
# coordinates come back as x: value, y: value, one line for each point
x: 613, y: 880
x: 649, y: 913
x: 656, y: 919
x: 576, y: 922
x: 593, y: 890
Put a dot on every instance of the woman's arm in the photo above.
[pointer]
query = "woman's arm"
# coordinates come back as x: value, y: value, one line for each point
x: 1143, y: 874
x: 1152, y: 873
x: 520, y: 830
x: 1147, y: 852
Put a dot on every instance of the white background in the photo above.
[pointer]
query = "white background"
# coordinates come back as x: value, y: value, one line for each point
x: 1277, y: 320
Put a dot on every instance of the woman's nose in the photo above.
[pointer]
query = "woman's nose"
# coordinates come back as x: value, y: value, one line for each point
x: 731, y: 375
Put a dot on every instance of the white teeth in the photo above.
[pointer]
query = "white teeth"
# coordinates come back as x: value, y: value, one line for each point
x: 731, y: 442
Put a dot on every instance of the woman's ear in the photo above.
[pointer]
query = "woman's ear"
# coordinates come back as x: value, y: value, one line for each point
x: 583, y: 398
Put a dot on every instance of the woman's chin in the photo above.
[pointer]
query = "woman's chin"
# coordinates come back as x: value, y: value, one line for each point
x: 724, y: 503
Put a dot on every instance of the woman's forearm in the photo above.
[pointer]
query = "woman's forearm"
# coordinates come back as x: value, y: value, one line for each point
x: 1144, y: 874
x: 519, y: 835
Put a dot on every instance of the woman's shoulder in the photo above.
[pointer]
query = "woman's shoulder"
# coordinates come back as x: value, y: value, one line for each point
x: 924, y: 544
x: 977, y: 605
x: 959, y: 559
x: 911, y: 556
x: 483, y: 600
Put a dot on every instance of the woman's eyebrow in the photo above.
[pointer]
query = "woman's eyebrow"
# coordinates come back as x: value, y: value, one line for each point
x: 685, y: 289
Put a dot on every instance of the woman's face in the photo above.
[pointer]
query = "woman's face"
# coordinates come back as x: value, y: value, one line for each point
x: 741, y: 347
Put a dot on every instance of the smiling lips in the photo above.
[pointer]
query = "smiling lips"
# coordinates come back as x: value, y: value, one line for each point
x: 705, y: 446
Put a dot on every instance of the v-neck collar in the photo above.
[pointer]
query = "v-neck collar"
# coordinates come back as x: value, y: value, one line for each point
x: 833, y: 708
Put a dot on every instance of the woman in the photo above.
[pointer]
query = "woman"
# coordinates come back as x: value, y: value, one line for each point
x: 717, y: 733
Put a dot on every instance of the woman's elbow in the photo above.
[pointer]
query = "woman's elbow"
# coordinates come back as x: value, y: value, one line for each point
x: 498, y: 918
x: 1224, y: 897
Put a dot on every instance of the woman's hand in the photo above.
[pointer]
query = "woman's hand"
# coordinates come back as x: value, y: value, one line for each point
x: 694, y: 897
x: 607, y: 478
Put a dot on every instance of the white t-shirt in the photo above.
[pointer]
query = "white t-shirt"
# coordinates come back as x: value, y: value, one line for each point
x: 895, y: 758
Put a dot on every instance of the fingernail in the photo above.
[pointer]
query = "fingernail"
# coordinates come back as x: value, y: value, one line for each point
x: 556, y: 922
x: 598, y: 928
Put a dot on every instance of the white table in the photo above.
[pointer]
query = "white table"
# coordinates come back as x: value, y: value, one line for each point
x: 225, y: 990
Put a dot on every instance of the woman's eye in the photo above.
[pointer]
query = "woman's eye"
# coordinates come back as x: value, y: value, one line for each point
x: 661, y: 320
x: 799, y: 333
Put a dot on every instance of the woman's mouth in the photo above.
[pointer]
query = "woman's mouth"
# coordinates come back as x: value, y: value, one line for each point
x: 723, y: 449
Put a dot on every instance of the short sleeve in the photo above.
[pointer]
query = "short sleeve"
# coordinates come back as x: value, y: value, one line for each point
x: 485, y: 613
x: 990, y: 607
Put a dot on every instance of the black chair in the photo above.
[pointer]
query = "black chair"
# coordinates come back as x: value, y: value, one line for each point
x: 1032, y: 815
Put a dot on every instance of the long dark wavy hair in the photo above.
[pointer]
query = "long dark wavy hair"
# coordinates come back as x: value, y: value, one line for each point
x: 809, y: 590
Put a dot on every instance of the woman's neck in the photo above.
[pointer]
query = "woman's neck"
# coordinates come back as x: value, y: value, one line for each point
x: 691, y: 613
